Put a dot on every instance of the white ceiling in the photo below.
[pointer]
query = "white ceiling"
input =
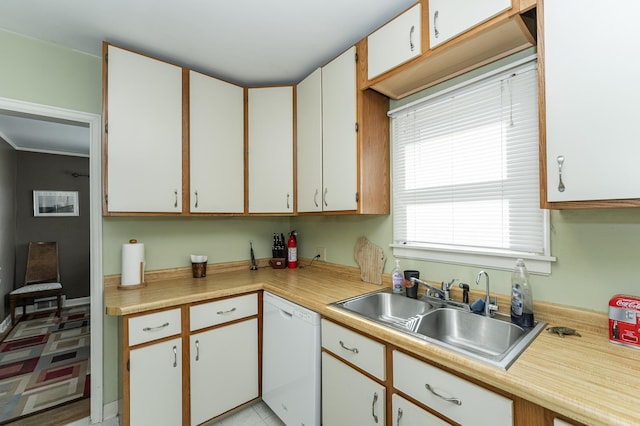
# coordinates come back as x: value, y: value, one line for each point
x: 249, y: 42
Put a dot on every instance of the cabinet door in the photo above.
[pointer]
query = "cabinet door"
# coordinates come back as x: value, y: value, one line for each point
x: 591, y: 94
x: 339, y: 138
x: 309, y: 142
x: 216, y: 145
x: 395, y: 43
x: 155, y: 384
x: 271, y: 150
x: 144, y: 149
x: 224, y: 369
x: 360, y: 403
x: 407, y: 414
x: 449, y: 18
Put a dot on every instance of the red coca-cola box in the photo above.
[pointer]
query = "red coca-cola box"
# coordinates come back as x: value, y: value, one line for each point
x: 624, y: 320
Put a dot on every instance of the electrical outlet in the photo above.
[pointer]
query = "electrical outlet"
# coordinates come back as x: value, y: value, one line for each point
x: 322, y: 252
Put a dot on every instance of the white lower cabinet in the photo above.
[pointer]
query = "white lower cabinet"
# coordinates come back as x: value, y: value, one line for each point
x: 406, y: 413
x: 448, y: 394
x: 349, y: 397
x: 224, y: 369
x: 221, y: 361
x: 155, y: 384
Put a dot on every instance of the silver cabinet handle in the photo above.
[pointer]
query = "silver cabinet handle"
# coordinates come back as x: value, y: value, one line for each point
x: 196, y: 199
x: 354, y: 350
x: 435, y: 24
x: 226, y: 312
x: 159, y: 327
x: 373, y: 407
x: 197, y: 350
x: 175, y: 203
x: 560, y: 164
x: 399, y: 416
x: 287, y: 200
x: 411, y: 31
x: 456, y: 401
x: 324, y: 197
x: 175, y: 356
x: 315, y: 198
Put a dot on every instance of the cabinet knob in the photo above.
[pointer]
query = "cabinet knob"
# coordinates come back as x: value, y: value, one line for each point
x: 435, y: 24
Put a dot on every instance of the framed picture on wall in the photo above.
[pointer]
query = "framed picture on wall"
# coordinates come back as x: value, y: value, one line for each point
x: 55, y: 203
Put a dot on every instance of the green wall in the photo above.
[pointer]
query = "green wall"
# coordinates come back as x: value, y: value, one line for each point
x: 596, y: 252
x: 596, y: 249
x: 44, y: 73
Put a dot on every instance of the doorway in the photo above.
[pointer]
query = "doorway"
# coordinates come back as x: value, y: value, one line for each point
x: 93, y: 121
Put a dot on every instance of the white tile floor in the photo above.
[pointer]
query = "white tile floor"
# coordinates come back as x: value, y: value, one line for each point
x: 259, y: 414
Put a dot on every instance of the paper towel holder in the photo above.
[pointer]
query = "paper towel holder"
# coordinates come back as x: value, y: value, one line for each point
x: 141, y: 272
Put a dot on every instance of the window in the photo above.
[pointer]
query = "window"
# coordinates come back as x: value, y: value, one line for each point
x: 465, y: 174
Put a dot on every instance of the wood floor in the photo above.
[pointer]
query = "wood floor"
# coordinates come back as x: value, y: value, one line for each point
x: 57, y: 416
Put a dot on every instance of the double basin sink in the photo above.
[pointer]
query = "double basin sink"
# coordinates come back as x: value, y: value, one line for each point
x: 494, y: 340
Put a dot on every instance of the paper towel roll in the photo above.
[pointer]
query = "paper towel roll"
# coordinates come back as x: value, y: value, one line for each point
x: 132, y: 263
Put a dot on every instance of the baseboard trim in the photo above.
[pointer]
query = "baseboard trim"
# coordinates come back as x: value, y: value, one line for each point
x: 110, y: 417
x: 5, y: 324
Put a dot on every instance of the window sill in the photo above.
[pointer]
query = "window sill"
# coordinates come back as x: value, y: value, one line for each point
x: 495, y: 259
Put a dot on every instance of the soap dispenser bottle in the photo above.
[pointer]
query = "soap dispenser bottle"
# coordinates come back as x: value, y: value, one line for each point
x: 521, y: 296
x: 397, y: 278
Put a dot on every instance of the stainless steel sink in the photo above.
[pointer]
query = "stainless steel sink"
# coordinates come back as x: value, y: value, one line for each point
x: 388, y: 308
x: 494, y: 340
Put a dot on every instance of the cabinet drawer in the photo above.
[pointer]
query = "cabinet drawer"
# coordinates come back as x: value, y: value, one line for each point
x: 361, y: 351
x: 221, y: 311
x: 145, y: 328
x: 465, y: 400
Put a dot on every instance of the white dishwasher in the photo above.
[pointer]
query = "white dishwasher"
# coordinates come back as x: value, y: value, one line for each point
x: 291, y: 361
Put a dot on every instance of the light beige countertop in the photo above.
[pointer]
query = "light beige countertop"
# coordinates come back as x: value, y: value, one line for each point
x: 586, y: 378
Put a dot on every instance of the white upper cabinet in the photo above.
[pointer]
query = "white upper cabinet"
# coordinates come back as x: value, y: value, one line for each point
x: 397, y: 42
x: 270, y: 149
x: 216, y: 145
x: 591, y: 92
x: 339, y: 135
x: 449, y: 18
x: 309, y: 142
x: 144, y: 148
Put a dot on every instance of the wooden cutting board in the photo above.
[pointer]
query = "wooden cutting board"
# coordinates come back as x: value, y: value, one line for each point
x: 370, y: 258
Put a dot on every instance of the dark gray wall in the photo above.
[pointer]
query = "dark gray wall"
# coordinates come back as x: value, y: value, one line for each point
x: 36, y: 171
x: 7, y: 221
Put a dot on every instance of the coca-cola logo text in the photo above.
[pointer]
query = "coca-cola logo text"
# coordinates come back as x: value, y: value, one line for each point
x: 628, y: 304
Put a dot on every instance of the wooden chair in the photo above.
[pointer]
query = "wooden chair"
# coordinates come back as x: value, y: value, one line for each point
x: 42, y: 278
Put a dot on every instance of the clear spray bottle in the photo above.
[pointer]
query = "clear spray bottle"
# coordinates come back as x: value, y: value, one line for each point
x: 521, y: 296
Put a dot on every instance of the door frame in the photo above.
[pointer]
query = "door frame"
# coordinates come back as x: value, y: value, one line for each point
x: 94, y: 121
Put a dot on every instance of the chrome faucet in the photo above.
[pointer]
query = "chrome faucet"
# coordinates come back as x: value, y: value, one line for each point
x: 489, y: 308
x: 444, y: 295
x: 446, y: 288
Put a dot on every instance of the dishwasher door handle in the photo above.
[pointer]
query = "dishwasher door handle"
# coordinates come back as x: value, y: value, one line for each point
x: 285, y: 314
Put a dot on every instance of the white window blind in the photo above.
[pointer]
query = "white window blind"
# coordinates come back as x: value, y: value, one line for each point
x: 465, y: 168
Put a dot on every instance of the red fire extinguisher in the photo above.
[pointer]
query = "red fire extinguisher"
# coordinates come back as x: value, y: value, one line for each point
x: 292, y: 251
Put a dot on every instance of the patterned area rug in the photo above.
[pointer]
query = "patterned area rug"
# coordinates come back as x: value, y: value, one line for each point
x: 44, y: 362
